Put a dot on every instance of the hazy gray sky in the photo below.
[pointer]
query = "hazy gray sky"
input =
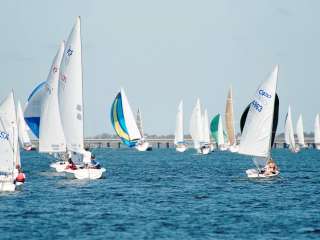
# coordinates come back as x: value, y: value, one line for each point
x: 164, y: 51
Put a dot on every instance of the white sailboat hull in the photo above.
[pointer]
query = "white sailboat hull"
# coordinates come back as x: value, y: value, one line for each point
x: 181, y: 148
x: 144, y: 146
x: 86, y: 173
x: 234, y: 148
x: 254, y: 173
x: 7, y: 184
x: 223, y: 148
x: 204, y: 150
x: 59, y: 166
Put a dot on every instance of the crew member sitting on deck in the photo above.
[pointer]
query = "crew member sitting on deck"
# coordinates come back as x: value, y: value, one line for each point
x: 271, y: 167
x: 19, y: 175
x: 71, y: 165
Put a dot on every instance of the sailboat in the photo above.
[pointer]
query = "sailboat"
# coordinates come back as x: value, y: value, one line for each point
x: 32, y: 110
x: 300, y: 133
x: 9, y: 148
x: 24, y: 138
x: 70, y: 95
x: 124, y: 124
x: 217, y: 132
x: 258, y: 128
x: 51, y: 134
x: 197, y: 130
x: 289, y: 133
x: 232, y: 141
x: 206, y: 131
x: 139, y: 124
x: 181, y: 146
x: 317, y: 132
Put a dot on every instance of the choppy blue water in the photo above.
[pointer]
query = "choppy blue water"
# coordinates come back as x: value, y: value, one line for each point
x: 166, y: 195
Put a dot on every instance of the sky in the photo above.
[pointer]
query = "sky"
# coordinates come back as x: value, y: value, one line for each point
x: 163, y: 51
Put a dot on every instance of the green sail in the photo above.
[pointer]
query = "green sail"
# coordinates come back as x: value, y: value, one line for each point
x: 214, y: 129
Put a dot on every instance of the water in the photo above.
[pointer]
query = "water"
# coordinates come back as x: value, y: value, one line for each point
x: 166, y: 195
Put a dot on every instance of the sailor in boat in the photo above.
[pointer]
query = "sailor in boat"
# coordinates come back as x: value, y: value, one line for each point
x: 71, y: 165
x: 89, y: 160
x: 271, y: 167
x: 19, y: 175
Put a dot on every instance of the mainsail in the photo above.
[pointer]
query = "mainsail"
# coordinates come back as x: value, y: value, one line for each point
x: 196, y: 129
x: 178, y: 136
x: 70, y: 91
x: 300, y: 132
x: 139, y: 122
x: 229, y: 119
x: 205, y: 128
x: 8, y: 136
x: 288, y: 131
x: 317, y: 131
x: 258, y: 125
x: 123, y: 120
x: 51, y: 138
x: 22, y: 128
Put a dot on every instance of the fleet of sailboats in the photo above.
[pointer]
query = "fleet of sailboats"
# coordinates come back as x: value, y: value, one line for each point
x: 54, y: 113
x: 199, y: 130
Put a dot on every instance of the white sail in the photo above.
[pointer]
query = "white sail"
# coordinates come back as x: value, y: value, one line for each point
x: 300, y: 132
x: 131, y: 124
x: 51, y: 137
x: 139, y: 122
x: 8, y: 136
x: 178, y: 136
x: 317, y: 130
x: 220, y: 132
x: 70, y: 91
x: 196, y: 125
x: 22, y: 128
x: 205, y: 127
x: 257, y: 132
x: 288, y: 132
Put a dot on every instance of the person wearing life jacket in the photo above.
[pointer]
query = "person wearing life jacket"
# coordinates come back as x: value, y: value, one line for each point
x: 19, y: 175
x: 71, y: 165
